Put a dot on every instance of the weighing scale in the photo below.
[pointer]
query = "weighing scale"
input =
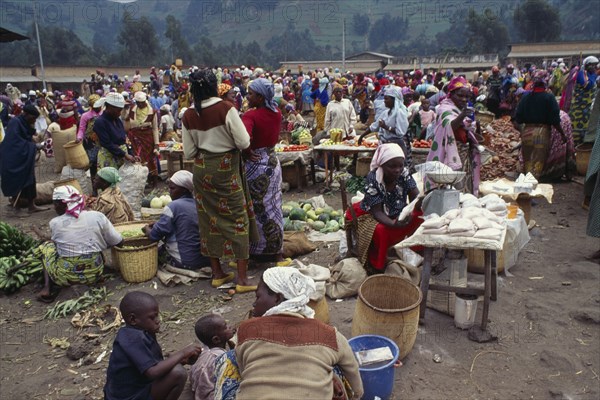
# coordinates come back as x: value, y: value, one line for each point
x: 444, y: 197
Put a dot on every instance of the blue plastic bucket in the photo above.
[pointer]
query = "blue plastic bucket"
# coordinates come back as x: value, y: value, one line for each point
x: 378, y: 381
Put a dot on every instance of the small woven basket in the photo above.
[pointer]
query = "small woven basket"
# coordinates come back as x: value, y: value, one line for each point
x: 138, y: 264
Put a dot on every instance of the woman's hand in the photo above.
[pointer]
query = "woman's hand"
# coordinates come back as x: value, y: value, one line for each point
x: 132, y: 159
x: 403, y: 223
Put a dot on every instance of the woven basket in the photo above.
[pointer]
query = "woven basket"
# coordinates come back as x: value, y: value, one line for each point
x: 59, y: 139
x: 70, y: 181
x: 484, y: 117
x: 139, y: 264
x: 388, y: 306
x: 75, y: 155
x: 321, y: 309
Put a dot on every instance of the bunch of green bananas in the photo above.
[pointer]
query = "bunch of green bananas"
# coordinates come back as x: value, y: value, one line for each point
x: 13, y: 242
x: 15, y: 274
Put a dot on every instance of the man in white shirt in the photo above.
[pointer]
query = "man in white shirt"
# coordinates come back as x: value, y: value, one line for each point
x: 340, y: 113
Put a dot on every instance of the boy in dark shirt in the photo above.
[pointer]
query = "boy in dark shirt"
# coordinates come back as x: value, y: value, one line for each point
x: 137, y: 369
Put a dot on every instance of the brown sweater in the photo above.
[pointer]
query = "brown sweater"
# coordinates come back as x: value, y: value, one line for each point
x: 291, y: 357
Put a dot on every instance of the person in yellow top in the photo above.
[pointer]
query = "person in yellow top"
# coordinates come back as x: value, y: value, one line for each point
x: 142, y: 131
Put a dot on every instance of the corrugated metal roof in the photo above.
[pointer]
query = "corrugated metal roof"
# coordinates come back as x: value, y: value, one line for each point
x: 19, y: 79
x: 572, y: 52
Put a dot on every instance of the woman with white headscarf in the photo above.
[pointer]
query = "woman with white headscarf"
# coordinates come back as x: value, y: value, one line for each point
x: 281, y: 333
x: 73, y: 256
x: 178, y: 225
x: 263, y: 170
x: 388, y: 188
x: 392, y: 126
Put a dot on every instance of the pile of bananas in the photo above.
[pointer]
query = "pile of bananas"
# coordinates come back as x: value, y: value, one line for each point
x: 15, y: 274
x: 13, y: 242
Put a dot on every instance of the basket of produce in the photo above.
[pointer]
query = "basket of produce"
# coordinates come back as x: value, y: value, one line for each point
x: 132, y: 229
x: 137, y: 260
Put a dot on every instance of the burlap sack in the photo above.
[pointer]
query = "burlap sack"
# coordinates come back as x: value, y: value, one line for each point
x: 296, y: 244
x: 346, y: 278
x: 59, y: 139
x: 404, y: 270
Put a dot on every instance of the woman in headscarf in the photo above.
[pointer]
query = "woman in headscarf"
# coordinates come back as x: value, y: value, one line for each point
x: 111, y: 201
x: 214, y: 135
x: 388, y: 188
x: 324, y: 366
x: 167, y: 124
x: 67, y: 111
x: 263, y: 170
x: 305, y: 98
x: 178, y: 225
x: 392, y: 126
x: 583, y: 94
x: 17, y: 159
x: 454, y: 142
x: 142, y: 125
x: 321, y: 98
x: 227, y: 93
x: 86, y: 134
x: 536, y: 114
x: 73, y: 256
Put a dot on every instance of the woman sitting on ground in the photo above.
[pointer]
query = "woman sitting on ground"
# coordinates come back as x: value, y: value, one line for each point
x: 387, y: 188
x: 111, y: 201
x: 178, y: 225
x: 73, y: 256
x: 324, y: 366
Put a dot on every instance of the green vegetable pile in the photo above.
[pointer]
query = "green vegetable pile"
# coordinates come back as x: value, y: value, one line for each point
x: 72, y: 306
x: 133, y: 233
x: 20, y: 259
x: 298, y: 215
x: 355, y: 184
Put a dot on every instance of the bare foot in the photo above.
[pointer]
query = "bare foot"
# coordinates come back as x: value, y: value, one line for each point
x: 46, y: 295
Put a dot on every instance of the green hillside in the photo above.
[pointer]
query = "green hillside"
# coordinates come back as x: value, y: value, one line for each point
x: 282, y: 29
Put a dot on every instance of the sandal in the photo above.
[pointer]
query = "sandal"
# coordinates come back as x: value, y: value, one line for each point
x: 218, y: 282
x: 245, y: 289
x: 284, y: 263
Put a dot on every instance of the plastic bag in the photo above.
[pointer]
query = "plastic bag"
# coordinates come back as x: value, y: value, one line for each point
x: 133, y: 182
x: 411, y: 258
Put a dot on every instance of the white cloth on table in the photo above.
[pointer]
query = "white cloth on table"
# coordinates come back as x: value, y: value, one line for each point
x: 488, y: 233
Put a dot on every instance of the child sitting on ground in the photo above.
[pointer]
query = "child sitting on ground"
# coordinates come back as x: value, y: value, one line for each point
x: 212, y: 330
x: 137, y: 369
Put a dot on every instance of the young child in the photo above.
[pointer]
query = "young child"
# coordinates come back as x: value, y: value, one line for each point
x: 137, y: 369
x: 212, y: 330
x: 427, y: 116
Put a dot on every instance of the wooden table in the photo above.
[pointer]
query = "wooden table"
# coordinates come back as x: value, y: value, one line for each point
x: 339, y: 150
x: 171, y: 156
x: 430, y: 242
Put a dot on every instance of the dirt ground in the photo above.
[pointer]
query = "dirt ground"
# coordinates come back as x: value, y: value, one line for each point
x: 547, y: 319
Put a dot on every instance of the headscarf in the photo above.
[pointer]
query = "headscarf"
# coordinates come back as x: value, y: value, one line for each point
x: 110, y: 175
x: 71, y: 197
x: 223, y: 89
x: 265, y: 88
x: 590, y: 60
x: 295, y: 287
x: 184, y: 179
x: 457, y: 83
x: 323, y: 84
x: 92, y: 99
x: 539, y: 79
x: 383, y: 154
x: 396, y: 93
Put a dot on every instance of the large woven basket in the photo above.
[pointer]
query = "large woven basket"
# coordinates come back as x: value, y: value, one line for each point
x: 110, y: 256
x: 140, y: 263
x: 75, y: 155
x: 388, y: 306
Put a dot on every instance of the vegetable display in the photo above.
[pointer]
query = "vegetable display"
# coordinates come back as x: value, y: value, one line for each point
x: 13, y: 242
x: 300, y: 216
x: 504, y: 142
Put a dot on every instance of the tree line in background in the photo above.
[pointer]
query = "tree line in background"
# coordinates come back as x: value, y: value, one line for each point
x: 137, y: 42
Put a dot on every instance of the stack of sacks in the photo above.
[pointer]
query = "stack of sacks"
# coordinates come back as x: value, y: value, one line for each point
x: 468, y: 200
x: 475, y: 222
x: 495, y: 204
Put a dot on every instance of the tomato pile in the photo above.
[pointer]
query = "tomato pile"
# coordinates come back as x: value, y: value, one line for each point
x: 295, y: 147
x: 421, y: 144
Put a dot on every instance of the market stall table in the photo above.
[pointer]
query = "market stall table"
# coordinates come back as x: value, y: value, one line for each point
x: 339, y: 150
x: 299, y: 159
x: 505, y: 189
x: 172, y: 156
x: 429, y: 242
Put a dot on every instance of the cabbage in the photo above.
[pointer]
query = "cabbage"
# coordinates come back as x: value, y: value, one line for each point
x: 331, y: 226
x: 166, y: 200
x: 156, y: 202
